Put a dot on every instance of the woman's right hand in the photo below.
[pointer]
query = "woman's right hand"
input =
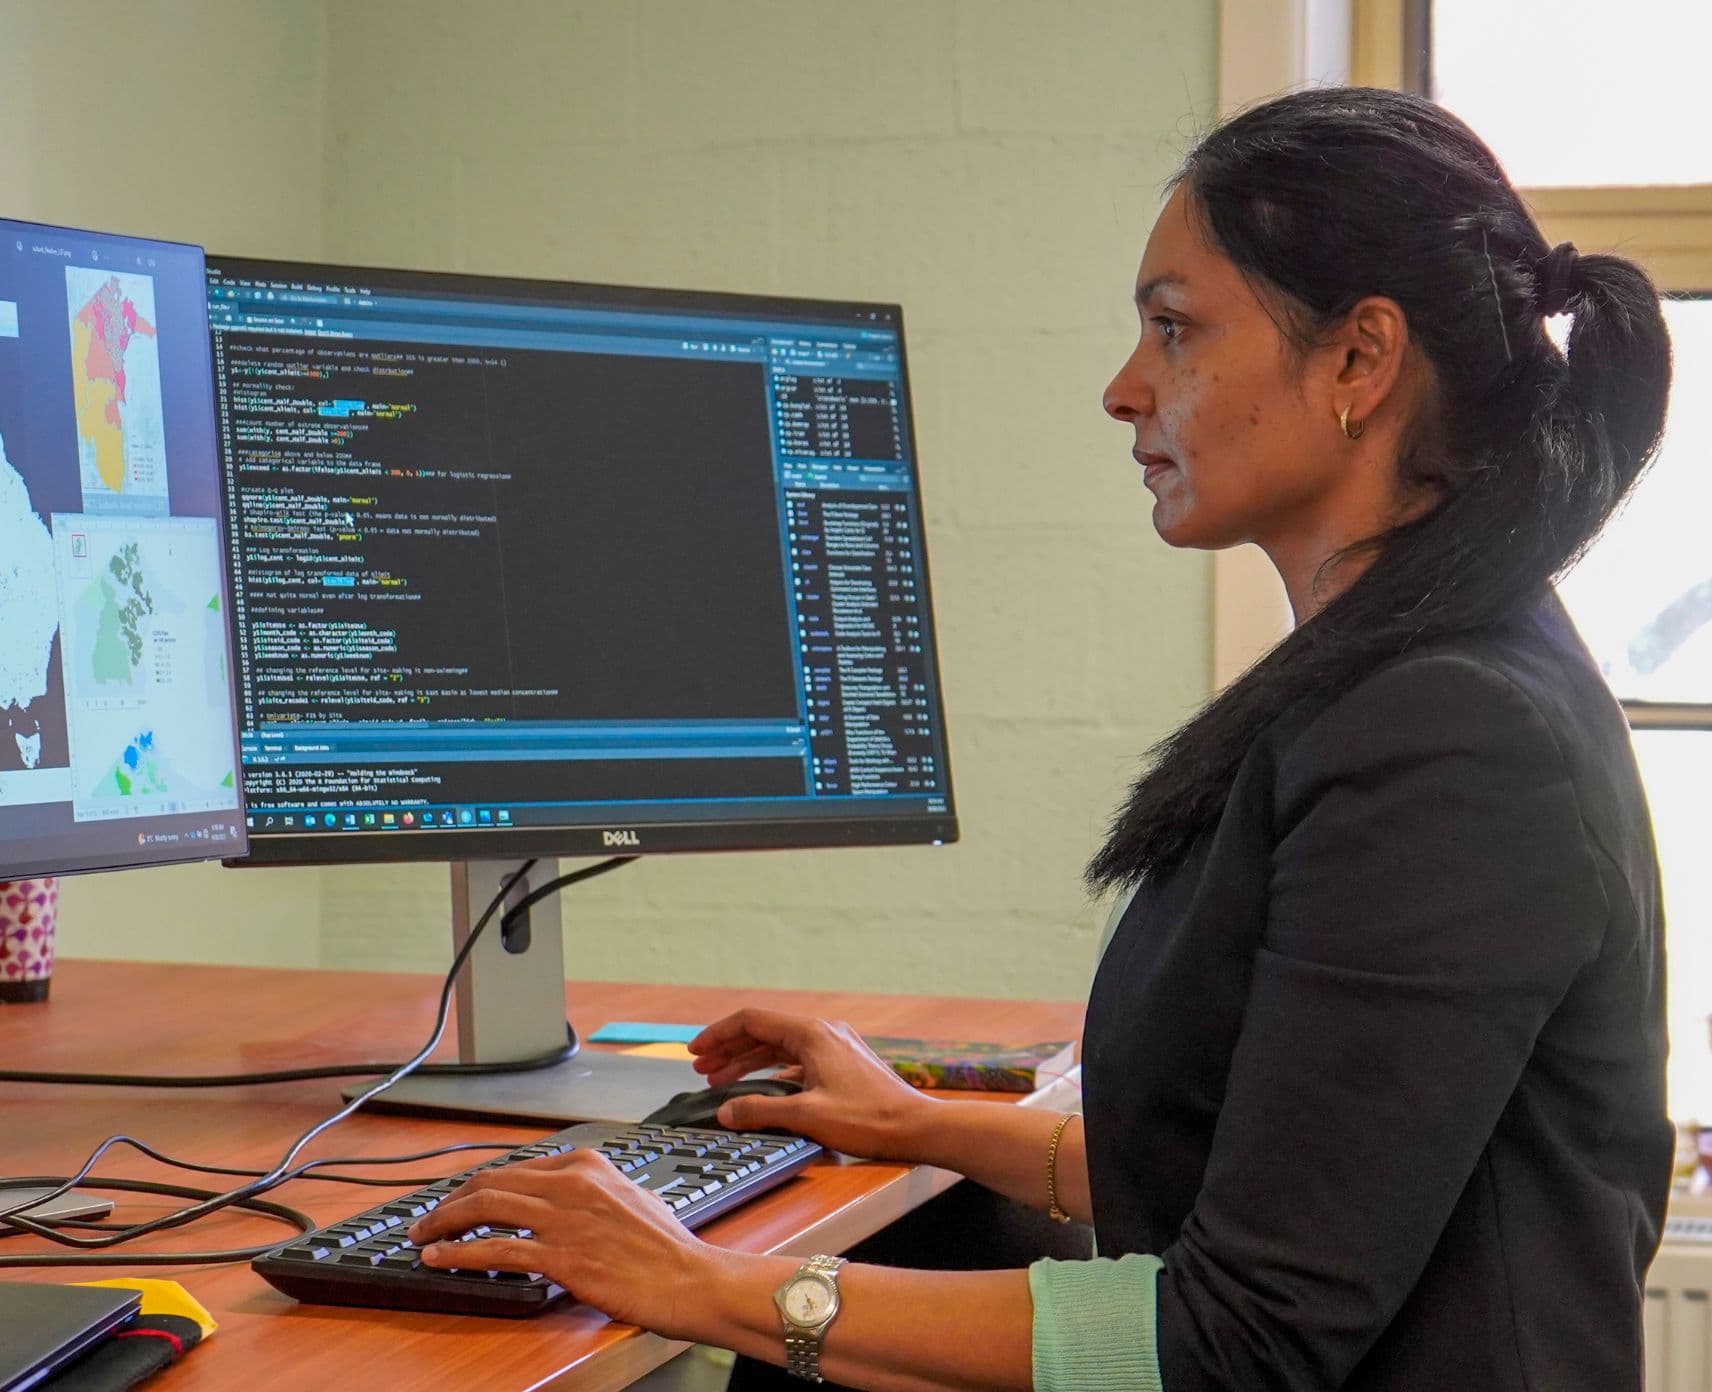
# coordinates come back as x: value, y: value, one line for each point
x: 851, y: 1100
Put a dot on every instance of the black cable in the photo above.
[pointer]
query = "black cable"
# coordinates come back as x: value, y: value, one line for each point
x: 245, y: 1195
x: 213, y: 1203
x: 354, y: 1070
x: 301, y: 1221
x: 299, y: 1075
x: 509, y: 918
x: 11, y: 1227
x: 302, y: 1171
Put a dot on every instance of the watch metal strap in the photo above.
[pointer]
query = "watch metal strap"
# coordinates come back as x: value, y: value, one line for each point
x: 802, y: 1346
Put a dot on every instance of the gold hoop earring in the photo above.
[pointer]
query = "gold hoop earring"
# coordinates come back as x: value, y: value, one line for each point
x: 1351, y: 432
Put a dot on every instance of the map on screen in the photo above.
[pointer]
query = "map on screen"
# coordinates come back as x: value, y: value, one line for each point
x: 115, y: 369
x: 118, y: 734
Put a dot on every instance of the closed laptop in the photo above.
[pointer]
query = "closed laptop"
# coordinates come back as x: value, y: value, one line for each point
x: 43, y: 1327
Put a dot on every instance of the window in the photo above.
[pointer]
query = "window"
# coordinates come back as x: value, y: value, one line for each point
x: 1676, y: 766
x: 1642, y: 597
x: 1612, y: 156
x: 1524, y: 75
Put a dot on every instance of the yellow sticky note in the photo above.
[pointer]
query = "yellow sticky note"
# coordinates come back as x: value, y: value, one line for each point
x: 681, y: 1052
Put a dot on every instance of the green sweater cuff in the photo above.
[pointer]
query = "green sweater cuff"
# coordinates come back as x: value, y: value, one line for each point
x: 1095, y: 1324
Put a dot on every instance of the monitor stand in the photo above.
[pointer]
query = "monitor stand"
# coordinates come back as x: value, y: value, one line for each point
x: 511, y: 1005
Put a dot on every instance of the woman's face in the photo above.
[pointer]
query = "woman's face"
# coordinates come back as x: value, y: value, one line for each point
x: 1236, y: 435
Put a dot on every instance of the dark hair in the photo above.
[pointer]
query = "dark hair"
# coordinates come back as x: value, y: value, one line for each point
x: 1322, y: 198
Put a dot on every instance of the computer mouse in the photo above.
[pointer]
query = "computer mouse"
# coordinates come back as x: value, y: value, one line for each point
x: 702, y: 1108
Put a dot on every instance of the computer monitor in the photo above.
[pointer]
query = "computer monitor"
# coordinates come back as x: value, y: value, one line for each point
x: 118, y: 728
x: 535, y: 569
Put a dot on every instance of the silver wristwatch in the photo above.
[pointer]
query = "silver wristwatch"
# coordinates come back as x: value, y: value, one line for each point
x: 808, y: 1302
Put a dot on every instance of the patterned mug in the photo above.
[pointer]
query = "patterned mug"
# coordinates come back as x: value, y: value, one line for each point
x: 27, y: 911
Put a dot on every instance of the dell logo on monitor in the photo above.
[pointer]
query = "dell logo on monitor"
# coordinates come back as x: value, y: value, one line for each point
x: 620, y: 838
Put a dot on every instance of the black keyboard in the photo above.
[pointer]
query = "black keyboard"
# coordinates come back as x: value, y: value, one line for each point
x: 367, y: 1259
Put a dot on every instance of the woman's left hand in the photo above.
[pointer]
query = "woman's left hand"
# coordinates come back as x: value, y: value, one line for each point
x: 605, y: 1239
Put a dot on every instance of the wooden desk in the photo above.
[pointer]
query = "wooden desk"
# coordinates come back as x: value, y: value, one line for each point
x: 120, y: 1017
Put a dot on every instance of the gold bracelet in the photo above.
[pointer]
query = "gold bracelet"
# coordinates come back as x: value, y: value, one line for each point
x: 1057, y: 1214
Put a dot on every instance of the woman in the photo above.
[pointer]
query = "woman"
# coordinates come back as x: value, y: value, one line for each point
x: 1374, y: 1059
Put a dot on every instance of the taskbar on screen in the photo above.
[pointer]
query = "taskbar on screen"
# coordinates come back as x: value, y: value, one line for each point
x: 473, y: 832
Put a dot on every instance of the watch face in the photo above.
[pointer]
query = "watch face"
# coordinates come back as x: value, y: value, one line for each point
x: 808, y: 1300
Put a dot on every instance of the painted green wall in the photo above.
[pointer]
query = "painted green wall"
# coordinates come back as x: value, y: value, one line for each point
x: 201, y: 121
x: 991, y: 164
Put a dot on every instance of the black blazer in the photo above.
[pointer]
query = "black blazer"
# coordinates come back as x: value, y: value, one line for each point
x: 1379, y: 1069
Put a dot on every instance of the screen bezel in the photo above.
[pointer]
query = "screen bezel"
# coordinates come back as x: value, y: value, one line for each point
x: 649, y: 837
x: 186, y: 853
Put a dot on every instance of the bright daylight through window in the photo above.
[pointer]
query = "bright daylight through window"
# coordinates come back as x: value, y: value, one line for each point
x: 1621, y: 163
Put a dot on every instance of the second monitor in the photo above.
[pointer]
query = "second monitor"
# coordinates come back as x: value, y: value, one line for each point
x: 536, y: 569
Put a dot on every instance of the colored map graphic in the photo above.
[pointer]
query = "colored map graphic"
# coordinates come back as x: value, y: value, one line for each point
x: 118, y: 606
x: 28, y: 616
x: 34, y: 760
x: 145, y: 665
x: 115, y: 377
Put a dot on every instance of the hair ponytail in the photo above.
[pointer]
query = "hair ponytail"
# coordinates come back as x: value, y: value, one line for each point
x: 1619, y: 375
x: 1327, y: 196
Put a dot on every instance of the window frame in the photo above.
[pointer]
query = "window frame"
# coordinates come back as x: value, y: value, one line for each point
x: 1666, y: 228
x: 1266, y: 48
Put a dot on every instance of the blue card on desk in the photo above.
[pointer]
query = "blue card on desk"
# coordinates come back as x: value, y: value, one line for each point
x: 643, y: 1032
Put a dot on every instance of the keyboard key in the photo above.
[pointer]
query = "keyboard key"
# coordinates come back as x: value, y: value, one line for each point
x: 405, y: 1208
x: 718, y: 1167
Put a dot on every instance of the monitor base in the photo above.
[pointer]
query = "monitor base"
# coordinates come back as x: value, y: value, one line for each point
x: 590, y: 1087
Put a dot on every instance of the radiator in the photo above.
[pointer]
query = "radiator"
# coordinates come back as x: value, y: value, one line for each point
x: 1677, y: 1315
